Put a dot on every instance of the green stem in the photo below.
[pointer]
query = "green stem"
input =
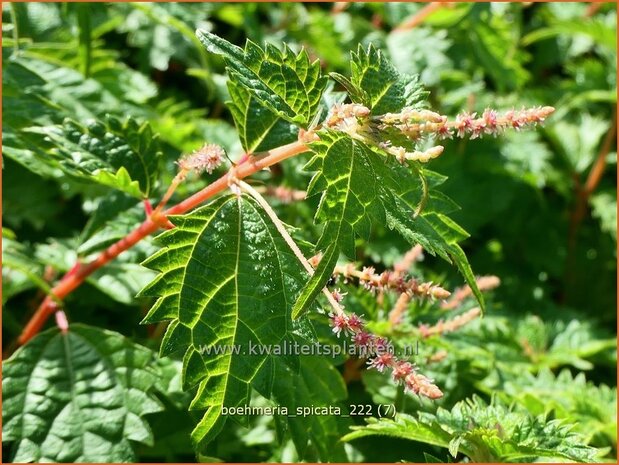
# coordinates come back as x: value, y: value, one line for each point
x: 400, y: 398
x: 15, y: 28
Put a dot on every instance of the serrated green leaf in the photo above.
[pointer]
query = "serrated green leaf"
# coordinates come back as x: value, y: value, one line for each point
x: 485, y: 432
x: 317, y: 384
x: 405, y: 427
x: 217, y: 300
x: 77, y: 397
x: 123, y: 155
x: 259, y: 128
x: 569, y: 397
x: 379, y: 86
x: 360, y: 184
x: 317, y: 282
x: 287, y: 84
x: 349, y: 186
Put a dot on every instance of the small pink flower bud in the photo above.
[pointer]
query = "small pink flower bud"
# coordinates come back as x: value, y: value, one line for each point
x: 444, y: 131
x: 363, y: 339
x: 401, y: 370
x: 382, y: 345
x: 355, y: 323
x: 338, y: 296
x: 209, y: 157
x: 339, y: 323
x: 380, y: 362
x: 62, y: 322
x: 490, y: 118
x: 464, y: 123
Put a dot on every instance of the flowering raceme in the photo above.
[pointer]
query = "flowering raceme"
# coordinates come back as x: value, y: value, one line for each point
x: 355, y: 120
x: 381, y: 357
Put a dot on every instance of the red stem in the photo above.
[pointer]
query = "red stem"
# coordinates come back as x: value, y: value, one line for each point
x: 583, y: 192
x: 74, y: 278
x: 421, y: 15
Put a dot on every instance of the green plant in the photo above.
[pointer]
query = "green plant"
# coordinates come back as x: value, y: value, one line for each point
x: 240, y: 281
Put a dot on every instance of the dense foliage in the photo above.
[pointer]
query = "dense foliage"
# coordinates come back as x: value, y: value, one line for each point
x: 368, y: 176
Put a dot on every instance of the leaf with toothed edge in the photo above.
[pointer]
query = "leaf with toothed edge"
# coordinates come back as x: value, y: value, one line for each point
x: 227, y: 278
x: 77, y: 397
x: 120, y: 154
x: 287, y: 84
x: 485, y: 432
x: 379, y: 85
x: 259, y: 128
x: 361, y: 184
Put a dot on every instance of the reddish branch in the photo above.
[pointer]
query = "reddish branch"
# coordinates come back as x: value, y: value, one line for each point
x: 248, y: 165
x: 593, y: 8
x: 583, y: 192
x: 421, y: 15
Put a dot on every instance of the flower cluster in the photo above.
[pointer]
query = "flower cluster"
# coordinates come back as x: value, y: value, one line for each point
x: 207, y: 158
x: 414, y: 123
x: 448, y: 326
x: 355, y: 120
x: 402, y: 155
x: 381, y: 356
x: 343, y: 116
x: 391, y: 280
x: 484, y: 283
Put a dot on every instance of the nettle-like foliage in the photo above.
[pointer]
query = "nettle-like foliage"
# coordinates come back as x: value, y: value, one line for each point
x: 78, y: 396
x: 485, y: 433
x: 228, y: 272
x: 231, y: 274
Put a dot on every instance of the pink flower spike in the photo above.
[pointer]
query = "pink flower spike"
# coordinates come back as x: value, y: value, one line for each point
x: 401, y: 370
x: 362, y: 339
x: 380, y: 362
x: 339, y: 323
x: 355, y: 323
x: 422, y: 385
